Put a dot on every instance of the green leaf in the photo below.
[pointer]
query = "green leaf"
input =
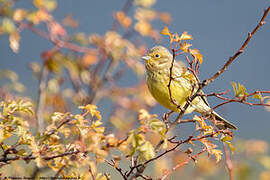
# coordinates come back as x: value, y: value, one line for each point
x: 239, y: 90
x: 232, y: 148
x: 146, y: 151
x: 157, y: 126
x: 8, y: 26
x: 226, y: 138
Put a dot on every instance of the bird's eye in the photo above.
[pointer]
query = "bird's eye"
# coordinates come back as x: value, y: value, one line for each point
x: 157, y: 55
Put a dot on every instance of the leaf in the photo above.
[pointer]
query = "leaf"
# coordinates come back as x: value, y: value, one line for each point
x: 143, y: 27
x: 144, y: 116
x: 197, y: 55
x: 232, y: 148
x: 19, y: 15
x: 185, y: 46
x: 144, y: 3
x: 157, y: 126
x: 185, y: 36
x: 146, y: 151
x: 258, y: 96
x: 217, y: 153
x: 165, y: 17
x: 89, y: 59
x: 165, y: 31
x: 265, y: 161
x: 8, y: 26
x: 49, y: 5
x: 92, y: 109
x: 226, y: 138
x: 239, y: 90
x: 70, y: 21
x: 124, y: 20
x: 14, y: 39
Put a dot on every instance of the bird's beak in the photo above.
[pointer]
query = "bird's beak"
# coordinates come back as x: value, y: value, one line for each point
x: 146, y: 57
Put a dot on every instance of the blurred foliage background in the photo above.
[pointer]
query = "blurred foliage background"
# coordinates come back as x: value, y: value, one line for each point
x: 59, y: 55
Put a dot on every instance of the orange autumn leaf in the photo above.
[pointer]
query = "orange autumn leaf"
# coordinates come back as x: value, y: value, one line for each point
x: 185, y: 46
x: 70, y: 21
x: 165, y: 31
x: 89, y: 59
x: 165, y: 17
x: 124, y: 20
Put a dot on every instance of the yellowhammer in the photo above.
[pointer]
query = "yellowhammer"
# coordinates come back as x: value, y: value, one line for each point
x: 158, y: 62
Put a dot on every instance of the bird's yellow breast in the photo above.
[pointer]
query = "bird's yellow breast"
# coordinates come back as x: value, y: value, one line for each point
x: 158, y: 86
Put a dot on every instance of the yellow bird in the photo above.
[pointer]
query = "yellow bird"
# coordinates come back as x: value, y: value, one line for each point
x: 158, y: 62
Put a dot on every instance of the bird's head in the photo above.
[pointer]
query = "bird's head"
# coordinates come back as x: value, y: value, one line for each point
x: 157, y: 57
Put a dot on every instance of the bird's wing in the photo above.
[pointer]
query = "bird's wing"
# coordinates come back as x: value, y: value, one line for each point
x: 186, y: 78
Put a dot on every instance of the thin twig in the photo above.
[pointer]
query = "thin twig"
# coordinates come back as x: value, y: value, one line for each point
x: 182, y: 164
x: 240, y: 51
x: 41, y: 98
x: 228, y: 161
x: 56, y: 41
x: 113, y: 164
x: 91, y: 173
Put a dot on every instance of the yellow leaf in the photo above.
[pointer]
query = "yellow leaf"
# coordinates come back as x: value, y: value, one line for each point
x: 226, y: 138
x: 144, y: 3
x: 143, y: 27
x: 19, y: 14
x: 92, y: 109
x: 258, y: 96
x: 217, y: 153
x: 165, y: 31
x: 185, y: 36
x: 197, y: 55
x: 146, y: 151
x: 49, y: 5
x: 265, y: 161
x: 144, y: 115
x: 8, y: 26
x: 14, y: 40
x: 232, y: 148
x: 185, y: 46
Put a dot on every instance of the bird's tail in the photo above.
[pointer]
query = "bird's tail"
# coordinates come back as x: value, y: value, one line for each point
x: 221, y: 123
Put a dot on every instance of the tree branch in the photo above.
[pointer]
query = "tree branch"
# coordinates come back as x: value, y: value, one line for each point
x: 240, y: 51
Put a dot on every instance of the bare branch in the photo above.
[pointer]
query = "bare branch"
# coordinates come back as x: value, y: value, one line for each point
x: 182, y: 164
x: 240, y: 51
x: 41, y: 98
x: 228, y: 161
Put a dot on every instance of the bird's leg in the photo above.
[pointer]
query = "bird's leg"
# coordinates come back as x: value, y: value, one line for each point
x: 166, y: 119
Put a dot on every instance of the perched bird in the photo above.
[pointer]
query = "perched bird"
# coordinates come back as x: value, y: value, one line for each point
x: 158, y: 62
